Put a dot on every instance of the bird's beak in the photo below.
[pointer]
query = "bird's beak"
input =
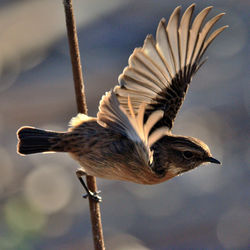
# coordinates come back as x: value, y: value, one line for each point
x: 212, y: 160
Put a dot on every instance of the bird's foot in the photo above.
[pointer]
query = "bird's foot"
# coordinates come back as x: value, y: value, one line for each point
x: 93, y: 195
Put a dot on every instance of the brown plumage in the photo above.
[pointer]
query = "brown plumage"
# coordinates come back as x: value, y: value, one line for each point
x: 131, y: 139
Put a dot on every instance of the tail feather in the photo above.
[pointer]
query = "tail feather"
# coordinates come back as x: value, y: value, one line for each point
x: 32, y: 140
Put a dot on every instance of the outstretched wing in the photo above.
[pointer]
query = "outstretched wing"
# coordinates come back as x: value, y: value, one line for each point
x: 158, y: 74
x: 112, y: 115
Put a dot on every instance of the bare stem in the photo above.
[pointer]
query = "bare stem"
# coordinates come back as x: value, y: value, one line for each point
x: 95, y: 213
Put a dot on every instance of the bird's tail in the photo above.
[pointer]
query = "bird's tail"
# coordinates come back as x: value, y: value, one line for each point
x: 32, y: 140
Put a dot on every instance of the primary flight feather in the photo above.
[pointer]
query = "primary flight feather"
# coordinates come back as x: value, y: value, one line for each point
x: 159, y: 73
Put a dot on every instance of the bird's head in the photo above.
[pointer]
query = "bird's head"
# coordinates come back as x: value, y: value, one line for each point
x: 179, y: 154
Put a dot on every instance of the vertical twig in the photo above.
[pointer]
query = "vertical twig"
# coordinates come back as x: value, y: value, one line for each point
x: 82, y: 108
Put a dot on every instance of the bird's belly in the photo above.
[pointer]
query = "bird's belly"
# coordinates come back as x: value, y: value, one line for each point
x: 119, y: 170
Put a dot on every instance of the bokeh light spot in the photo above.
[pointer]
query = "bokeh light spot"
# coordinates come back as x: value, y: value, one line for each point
x: 48, y: 188
x: 22, y: 217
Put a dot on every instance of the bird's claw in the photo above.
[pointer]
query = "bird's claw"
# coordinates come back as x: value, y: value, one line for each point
x: 94, y: 196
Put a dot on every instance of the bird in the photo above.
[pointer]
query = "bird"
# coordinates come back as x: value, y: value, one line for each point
x: 130, y: 139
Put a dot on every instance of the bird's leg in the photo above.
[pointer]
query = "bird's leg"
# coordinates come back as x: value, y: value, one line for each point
x: 90, y: 194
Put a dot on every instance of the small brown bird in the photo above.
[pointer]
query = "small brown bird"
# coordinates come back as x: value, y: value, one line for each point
x: 131, y: 137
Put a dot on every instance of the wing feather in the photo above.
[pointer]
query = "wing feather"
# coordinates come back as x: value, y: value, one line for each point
x: 163, y: 47
x: 113, y: 115
x: 172, y: 34
x: 184, y: 34
x: 194, y: 31
x: 159, y: 73
x: 202, y: 36
x: 210, y: 40
x: 150, y: 50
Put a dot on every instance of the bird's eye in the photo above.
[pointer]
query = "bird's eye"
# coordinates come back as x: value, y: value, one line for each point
x: 188, y: 154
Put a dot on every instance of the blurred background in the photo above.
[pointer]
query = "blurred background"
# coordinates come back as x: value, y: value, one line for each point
x: 40, y: 197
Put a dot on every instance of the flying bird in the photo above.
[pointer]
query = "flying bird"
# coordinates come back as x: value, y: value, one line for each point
x: 131, y: 139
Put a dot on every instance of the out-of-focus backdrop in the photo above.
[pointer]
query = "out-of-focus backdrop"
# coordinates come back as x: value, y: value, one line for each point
x: 40, y: 197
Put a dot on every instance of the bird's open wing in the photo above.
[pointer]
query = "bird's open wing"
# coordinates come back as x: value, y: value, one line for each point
x: 158, y: 74
x: 112, y: 115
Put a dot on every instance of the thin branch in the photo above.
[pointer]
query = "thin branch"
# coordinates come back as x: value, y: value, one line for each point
x: 82, y: 108
x: 75, y: 58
